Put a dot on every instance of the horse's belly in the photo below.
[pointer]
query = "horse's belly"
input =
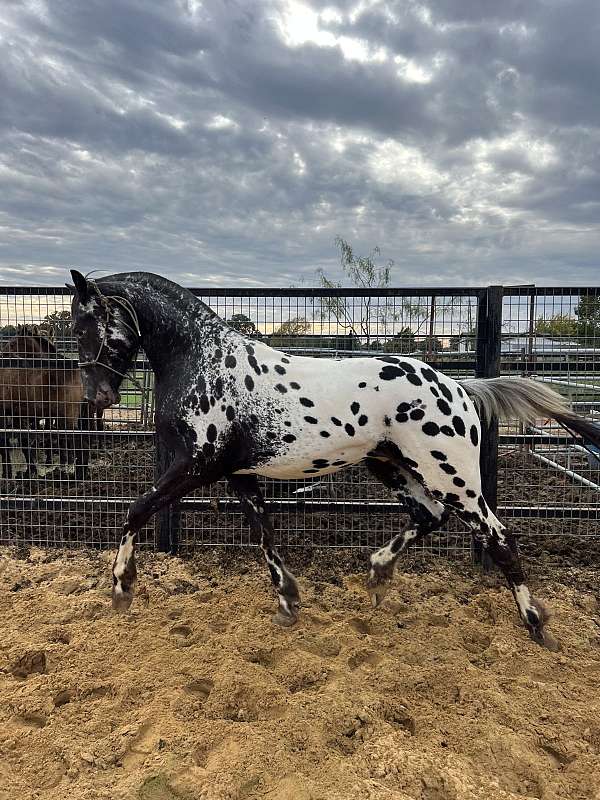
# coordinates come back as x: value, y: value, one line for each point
x: 289, y: 466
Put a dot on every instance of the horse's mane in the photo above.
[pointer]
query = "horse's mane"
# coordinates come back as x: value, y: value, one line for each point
x: 28, y: 345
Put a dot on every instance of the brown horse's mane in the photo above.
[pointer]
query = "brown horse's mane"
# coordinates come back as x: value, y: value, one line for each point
x: 28, y: 345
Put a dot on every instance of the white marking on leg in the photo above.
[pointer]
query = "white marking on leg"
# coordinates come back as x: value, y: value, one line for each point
x: 123, y: 556
x: 523, y: 598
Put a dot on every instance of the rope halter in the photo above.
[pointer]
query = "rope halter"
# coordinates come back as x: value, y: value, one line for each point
x: 124, y: 303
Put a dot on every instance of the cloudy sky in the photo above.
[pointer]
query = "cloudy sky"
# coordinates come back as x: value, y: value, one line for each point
x: 228, y: 142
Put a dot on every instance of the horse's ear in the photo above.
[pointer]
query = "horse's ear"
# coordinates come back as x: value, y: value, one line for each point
x: 81, y: 285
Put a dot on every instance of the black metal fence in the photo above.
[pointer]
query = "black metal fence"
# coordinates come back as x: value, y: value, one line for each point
x: 68, y: 478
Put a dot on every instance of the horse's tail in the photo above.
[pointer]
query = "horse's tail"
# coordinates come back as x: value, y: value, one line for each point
x: 526, y: 400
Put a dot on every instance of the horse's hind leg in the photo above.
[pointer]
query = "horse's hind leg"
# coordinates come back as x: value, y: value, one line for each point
x: 487, y: 529
x: 246, y: 488
x: 426, y: 515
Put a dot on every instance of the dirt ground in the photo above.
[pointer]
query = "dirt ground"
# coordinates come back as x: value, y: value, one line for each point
x: 438, y: 695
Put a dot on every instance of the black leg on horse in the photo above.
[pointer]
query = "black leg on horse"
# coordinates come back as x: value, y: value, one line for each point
x: 247, y: 489
x: 426, y: 515
x: 501, y: 548
x: 171, y: 486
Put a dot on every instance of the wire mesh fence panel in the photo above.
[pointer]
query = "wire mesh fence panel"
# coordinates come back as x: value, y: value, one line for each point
x: 548, y: 483
x: 68, y: 476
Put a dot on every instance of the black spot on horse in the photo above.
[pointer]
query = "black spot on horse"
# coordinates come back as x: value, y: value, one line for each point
x: 309, y: 471
x: 336, y: 421
x: 218, y: 388
x: 388, y: 359
x: 448, y: 469
x: 271, y: 435
x: 320, y: 462
x: 434, y: 391
x: 362, y: 385
x: 363, y: 419
x: 444, y: 407
x: 401, y: 417
x: 403, y: 408
x: 447, y: 430
x: 289, y: 437
x: 390, y: 373
x: 414, y: 379
x: 230, y: 413
x: 294, y: 385
x: 471, y: 493
x: 431, y: 429
x: 349, y: 429
x: 218, y: 355
x: 445, y: 391
x: 279, y: 369
x: 458, y: 482
x: 285, y: 360
x: 211, y: 433
x: 312, y: 420
x: 325, y: 434
x: 306, y: 402
x: 417, y: 414
x: 337, y: 463
x: 459, y: 425
x: 204, y: 404
x: 264, y: 368
x: 250, y: 349
x: 254, y: 364
x: 407, y: 367
x: 428, y: 374
x: 281, y: 388
x: 452, y: 499
x: 474, y: 435
x: 249, y: 383
x: 355, y: 407
x: 439, y: 455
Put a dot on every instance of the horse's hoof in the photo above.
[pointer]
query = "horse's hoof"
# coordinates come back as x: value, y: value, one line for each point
x: 378, y: 595
x: 284, y: 620
x: 121, y: 601
x: 544, y: 639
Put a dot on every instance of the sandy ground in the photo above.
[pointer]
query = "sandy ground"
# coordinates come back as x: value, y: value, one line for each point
x: 438, y: 695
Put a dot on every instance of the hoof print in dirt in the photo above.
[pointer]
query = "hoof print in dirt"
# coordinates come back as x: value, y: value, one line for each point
x: 31, y: 662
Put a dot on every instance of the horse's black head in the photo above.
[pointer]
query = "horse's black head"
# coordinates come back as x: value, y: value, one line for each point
x: 107, y: 337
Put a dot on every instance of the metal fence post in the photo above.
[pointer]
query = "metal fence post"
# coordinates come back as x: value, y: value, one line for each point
x: 487, y: 365
x: 168, y: 518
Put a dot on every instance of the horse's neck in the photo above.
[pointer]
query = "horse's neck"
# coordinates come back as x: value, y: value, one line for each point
x: 173, y: 325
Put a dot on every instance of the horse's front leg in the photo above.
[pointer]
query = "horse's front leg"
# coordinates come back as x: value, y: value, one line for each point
x: 171, y: 486
x: 253, y: 505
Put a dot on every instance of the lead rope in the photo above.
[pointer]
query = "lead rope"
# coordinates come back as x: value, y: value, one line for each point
x: 126, y: 306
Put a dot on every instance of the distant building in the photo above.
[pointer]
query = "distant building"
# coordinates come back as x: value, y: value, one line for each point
x: 524, y: 344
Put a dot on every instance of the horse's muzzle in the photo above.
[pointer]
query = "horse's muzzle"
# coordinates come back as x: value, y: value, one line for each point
x: 105, y: 397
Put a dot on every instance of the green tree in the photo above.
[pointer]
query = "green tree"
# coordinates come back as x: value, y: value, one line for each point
x: 558, y: 325
x: 363, y: 317
x: 245, y: 326
x: 293, y: 327
x: 402, y: 342
x: 588, y: 319
x: 56, y: 325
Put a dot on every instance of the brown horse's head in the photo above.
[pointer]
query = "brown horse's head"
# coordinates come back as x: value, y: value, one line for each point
x: 108, y: 339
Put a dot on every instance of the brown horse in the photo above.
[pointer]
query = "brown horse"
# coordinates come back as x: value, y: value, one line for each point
x: 46, y: 388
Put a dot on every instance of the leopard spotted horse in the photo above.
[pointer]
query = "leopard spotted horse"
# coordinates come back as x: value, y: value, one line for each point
x: 230, y: 407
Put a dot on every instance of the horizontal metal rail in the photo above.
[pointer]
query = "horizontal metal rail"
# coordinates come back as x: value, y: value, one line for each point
x: 279, y: 505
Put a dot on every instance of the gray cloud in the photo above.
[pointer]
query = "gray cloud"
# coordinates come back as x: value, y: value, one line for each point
x: 198, y: 141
